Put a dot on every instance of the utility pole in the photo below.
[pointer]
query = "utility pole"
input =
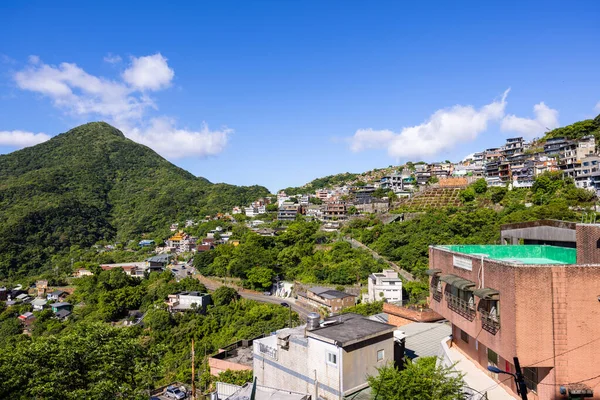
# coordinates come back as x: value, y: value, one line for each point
x: 521, y: 387
x: 193, y: 373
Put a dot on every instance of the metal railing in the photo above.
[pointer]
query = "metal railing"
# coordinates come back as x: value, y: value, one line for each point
x: 490, y: 321
x: 460, y: 306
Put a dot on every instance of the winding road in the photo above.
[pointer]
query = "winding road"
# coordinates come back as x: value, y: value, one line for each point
x: 251, y: 295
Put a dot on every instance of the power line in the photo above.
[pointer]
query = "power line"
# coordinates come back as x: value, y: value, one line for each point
x: 568, y: 351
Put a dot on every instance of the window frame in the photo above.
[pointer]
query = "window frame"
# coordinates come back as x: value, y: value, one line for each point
x: 382, y: 352
x: 330, y: 355
x: 531, y: 376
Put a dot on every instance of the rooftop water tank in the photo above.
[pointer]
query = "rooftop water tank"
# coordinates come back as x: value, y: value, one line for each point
x: 313, y: 321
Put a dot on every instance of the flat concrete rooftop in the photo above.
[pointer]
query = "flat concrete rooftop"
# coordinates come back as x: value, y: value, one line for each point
x: 519, y: 254
x: 350, y: 328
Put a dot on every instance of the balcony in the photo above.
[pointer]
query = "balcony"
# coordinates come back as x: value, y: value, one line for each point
x: 490, y: 322
x: 460, y: 306
x: 436, y: 294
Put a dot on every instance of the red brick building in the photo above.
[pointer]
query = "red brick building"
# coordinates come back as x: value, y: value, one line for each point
x: 538, y: 303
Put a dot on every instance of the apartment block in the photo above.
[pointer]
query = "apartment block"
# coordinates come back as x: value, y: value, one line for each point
x: 538, y: 303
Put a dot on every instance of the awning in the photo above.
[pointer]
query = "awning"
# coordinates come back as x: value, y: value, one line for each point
x: 457, y: 282
x: 433, y: 272
x: 486, y: 293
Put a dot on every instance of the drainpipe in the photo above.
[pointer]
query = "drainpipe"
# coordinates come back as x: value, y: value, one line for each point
x: 341, y: 375
x: 316, y: 386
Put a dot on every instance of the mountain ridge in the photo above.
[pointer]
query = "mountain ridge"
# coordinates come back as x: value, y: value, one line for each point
x: 105, y: 186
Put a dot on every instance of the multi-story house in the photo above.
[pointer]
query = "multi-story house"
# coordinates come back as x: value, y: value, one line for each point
x: 587, y: 174
x: 392, y: 182
x: 329, y: 360
x: 334, y: 210
x: 537, y: 303
x: 287, y: 212
x: 322, y: 194
x: 333, y: 301
x: 386, y: 286
x: 513, y: 146
x: 553, y: 146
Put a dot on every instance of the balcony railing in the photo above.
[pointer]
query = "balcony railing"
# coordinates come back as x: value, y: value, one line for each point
x: 435, y: 293
x: 490, y: 321
x: 460, y: 306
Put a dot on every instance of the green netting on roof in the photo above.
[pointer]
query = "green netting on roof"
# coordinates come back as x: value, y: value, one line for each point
x: 520, y: 254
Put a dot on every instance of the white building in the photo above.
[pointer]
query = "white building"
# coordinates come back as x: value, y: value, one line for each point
x: 328, y: 360
x: 386, y: 286
x: 185, y: 300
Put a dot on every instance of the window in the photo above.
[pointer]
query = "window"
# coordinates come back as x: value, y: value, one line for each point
x: 464, y: 336
x: 492, y: 357
x: 380, y: 355
x: 332, y: 358
x: 531, y: 378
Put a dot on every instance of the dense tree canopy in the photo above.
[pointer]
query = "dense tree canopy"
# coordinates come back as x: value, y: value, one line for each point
x: 422, y: 379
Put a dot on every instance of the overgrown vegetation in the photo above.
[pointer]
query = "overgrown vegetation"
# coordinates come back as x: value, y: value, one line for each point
x: 85, y: 357
x: 302, y: 253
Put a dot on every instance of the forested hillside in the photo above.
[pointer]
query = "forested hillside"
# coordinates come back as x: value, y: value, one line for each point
x: 92, y: 183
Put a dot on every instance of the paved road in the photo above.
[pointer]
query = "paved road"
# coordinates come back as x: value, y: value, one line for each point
x: 302, y: 311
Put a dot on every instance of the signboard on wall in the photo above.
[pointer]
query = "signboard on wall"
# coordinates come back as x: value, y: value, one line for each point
x: 463, y: 263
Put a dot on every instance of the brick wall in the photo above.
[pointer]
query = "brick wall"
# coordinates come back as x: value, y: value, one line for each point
x: 588, y: 243
x: 398, y: 315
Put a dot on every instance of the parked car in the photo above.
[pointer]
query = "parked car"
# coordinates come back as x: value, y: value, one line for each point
x: 285, y: 304
x: 174, y: 393
x: 267, y: 293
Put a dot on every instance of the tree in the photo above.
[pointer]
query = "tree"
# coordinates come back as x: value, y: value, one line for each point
x: 272, y: 207
x: 422, y: 379
x: 467, y: 195
x: 480, y: 186
x: 315, y: 200
x: 352, y: 210
x: 432, y: 180
x: 224, y: 295
x: 497, y: 194
x: 260, y: 277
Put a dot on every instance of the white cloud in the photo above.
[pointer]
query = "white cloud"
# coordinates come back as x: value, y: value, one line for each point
x: 149, y: 72
x: 34, y: 59
x: 123, y: 103
x: 162, y: 136
x: 444, y: 129
x: 112, y: 58
x: 20, y: 139
x: 545, y: 119
x: 597, y: 108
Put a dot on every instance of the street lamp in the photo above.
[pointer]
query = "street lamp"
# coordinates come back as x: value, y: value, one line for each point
x: 521, y: 387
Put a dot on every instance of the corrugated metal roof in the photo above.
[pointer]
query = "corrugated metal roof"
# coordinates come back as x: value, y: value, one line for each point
x: 423, y: 338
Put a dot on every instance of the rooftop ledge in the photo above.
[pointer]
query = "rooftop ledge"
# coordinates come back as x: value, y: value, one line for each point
x: 518, y: 254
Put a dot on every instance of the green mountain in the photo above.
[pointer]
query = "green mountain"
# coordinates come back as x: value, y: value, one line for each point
x: 92, y: 183
x: 577, y: 130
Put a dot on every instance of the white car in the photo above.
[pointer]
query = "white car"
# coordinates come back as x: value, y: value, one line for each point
x: 174, y: 393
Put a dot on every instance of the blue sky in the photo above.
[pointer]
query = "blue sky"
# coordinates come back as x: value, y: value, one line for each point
x: 280, y: 92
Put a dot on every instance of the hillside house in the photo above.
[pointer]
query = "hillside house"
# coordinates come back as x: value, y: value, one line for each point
x: 329, y: 299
